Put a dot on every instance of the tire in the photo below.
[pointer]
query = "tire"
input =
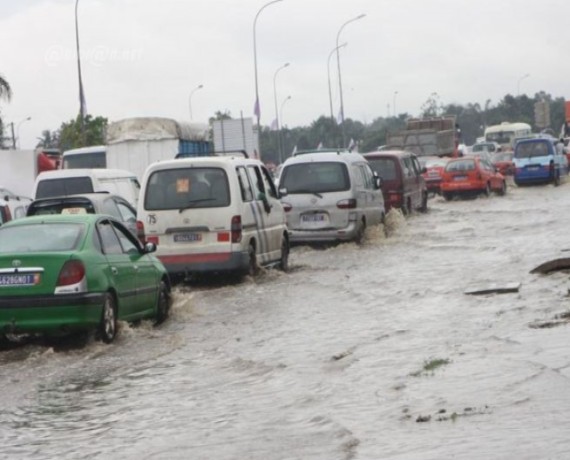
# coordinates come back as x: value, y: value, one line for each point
x: 556, y: 178
x: 162, y: 304
x: 252, y: 267
x: 406, y: 207
x: 285, y: 249
x: 359, y: 236
x: 424, y: 205
x: 107, y: 330
x: 487, y: 191
x: 503, y: 190
x: 447, y: 196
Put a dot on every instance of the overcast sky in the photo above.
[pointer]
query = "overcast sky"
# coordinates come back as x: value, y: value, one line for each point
x: 145, y: 57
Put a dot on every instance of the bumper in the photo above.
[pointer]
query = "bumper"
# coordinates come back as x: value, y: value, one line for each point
x: 202, y: 263
x: 51, y: 314
x: 539, y: 177
x: 347, y: 233
x: 457, y: 187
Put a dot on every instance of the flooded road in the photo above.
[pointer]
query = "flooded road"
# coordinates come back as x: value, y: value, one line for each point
x: 369, y: 352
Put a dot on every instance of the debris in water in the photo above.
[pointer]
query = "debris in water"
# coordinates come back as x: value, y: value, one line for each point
x: 552, y: 266
x: 494, y: 289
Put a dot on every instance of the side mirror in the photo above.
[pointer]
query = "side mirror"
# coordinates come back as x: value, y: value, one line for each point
x: 283, y: 191
x: 424, y: 170
x: 377, y: 182
x: 149, y: 247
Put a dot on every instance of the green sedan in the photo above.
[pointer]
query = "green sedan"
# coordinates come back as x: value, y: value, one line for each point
x: 67, y: 273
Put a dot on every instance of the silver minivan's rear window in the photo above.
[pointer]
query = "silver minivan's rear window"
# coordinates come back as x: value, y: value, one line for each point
x: 532, y: 149
x: 64, y: 186
x: 326, y: 176
x: 184, y: 188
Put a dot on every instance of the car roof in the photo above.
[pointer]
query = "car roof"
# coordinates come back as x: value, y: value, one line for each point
x: 388, y: 153
x: 94, y: 197
x: 341, y: 156
x: 219, y: 161
x: 49, y: 218
x: 81, y: 172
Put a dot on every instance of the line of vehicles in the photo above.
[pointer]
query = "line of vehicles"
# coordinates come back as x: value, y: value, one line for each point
x: 102, y: 244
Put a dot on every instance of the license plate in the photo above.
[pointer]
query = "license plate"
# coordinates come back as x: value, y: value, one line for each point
x: 533, y: 168
x: 460, y: 178
x: 187, y: 237
x: 313, y: 218
x: 28, y: 279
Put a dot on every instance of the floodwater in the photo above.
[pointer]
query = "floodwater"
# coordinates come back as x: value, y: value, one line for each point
x: 371, y: 352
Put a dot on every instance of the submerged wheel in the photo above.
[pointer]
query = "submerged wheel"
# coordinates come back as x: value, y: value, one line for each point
x: 424, y: 205
x: 252, y: 267
x: 487, y: 191
x: 503, y: 190
x: 107, y: 330
x: 448, y: 196
x: 556, y: 178
x: 359, y: 236
x: 162, y: 303
x: 284, y: 262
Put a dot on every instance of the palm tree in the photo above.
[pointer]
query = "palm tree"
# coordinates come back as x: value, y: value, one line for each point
x: 5, y: 90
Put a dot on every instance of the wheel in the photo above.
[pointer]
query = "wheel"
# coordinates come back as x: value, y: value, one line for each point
x: 284, y: 262
x: 448, y: 196
x: 252, y: 267
x: 487, y: 191
x: 406, y: 207
x: 107, y: 329
x: 163, y: 303
x: 424, y: 205
x: 556, y: 178
x: 503, y: 190
x: 359, y: 237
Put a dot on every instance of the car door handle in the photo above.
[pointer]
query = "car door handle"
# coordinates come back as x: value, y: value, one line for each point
x: 114, y: 270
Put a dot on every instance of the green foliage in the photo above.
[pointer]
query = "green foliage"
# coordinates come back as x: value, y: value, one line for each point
x: 49, y: 139
x: 73, y: 135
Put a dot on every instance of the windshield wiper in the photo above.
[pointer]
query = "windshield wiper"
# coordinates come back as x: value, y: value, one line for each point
x: 307, y: 191
x: 191, y: 203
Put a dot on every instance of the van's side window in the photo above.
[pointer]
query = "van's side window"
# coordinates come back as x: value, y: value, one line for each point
x: 244, y: 184
x: 366, y: 176
x: 408, y: 167
x: 358, y: 176
x: 256, y: 179
x: 268, y: 183
x: 417, y: 166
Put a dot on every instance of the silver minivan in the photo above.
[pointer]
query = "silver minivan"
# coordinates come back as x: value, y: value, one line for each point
x: 330, y: 196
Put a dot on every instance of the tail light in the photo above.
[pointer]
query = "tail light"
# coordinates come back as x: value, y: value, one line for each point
x: 140, y: 231
x: 236, y: 229
x: 347, y: 204
x: 71, y: 274
x: 287, y: 207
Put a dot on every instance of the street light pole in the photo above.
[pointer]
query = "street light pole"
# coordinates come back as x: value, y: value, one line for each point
x: 190, y: 98
x: 82, y: 105
x: 257, y: 108
x: 394, y: 104
x: 18, y: 129
x: 329, y: 77
x: 519, y: 83
x: 280, y: 137
x: 275, y: 101
x: 339, y: 76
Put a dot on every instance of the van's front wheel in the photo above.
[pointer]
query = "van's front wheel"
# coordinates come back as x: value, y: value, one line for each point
x: 252, y: 267
x: 285, y: 249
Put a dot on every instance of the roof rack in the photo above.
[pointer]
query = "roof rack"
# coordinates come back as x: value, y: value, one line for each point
x: 337, y: 150
x: 221, y: 153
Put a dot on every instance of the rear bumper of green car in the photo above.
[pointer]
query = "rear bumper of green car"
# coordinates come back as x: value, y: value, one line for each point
x: 50, y: 314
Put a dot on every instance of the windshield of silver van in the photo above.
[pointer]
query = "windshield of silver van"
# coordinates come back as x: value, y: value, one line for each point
x: 316, y: 177
x: 184, y: 188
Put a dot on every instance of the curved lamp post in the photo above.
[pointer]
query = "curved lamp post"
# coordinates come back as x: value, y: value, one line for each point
x: 18, y: 129
x: 519, y: 83
x: 280, y: 137
x: 329, y: 77
x: 275, y: 101
x: 82, y: 105
x: 339, y: 76
x: 190, y: 98
x: 257, y: 109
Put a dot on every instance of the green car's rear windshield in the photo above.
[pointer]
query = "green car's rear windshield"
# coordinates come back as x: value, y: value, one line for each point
x: 40, y: 237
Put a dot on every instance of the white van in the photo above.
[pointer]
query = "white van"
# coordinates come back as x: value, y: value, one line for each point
x: 77, y: 181
x: 213, y: 214
x: 330, y: 196
x: 85, y: 157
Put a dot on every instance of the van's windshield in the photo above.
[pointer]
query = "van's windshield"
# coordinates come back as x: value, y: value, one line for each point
x: 315, y: 177
x: 532, y: 149
x: 85, y: 160
x: 185, y: 188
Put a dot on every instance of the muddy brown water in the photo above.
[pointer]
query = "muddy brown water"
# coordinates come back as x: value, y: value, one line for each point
x: 370, y: 352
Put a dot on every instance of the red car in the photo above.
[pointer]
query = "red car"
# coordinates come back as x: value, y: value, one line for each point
x: 503, y: 161
x: 471, y: 175
x: 434, y: 167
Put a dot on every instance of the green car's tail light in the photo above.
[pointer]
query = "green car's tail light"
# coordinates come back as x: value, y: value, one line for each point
x: 71, y: 275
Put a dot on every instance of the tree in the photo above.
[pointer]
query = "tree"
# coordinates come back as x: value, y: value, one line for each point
x: 48, y: 140
x: 6, y: 94
x: 72, y: 136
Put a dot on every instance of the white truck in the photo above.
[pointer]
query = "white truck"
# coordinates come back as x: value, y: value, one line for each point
x: 19, y: 169
x: 134, y: 143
